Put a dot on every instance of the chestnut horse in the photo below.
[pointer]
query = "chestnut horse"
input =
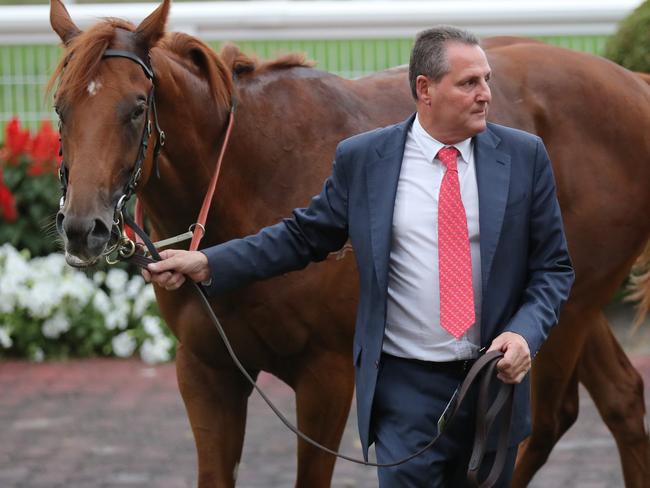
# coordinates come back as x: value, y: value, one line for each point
x: 593, y: 116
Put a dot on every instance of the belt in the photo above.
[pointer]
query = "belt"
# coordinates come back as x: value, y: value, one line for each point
x: 461, y: 366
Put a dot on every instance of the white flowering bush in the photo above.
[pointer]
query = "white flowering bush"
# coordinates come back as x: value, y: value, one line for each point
x: 50, y: 310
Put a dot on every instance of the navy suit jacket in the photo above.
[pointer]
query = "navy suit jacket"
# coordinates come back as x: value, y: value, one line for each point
x: 526, y: 270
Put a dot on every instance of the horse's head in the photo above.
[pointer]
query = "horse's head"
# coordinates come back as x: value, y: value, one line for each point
x: 105, y: 104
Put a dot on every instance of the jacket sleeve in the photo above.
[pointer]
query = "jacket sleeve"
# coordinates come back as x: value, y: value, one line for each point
x: 310, y: 234
x: 550, y: 272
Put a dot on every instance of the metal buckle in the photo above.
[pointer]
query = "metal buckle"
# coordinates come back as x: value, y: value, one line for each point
x: 200, y: 226
x: 120, y: 205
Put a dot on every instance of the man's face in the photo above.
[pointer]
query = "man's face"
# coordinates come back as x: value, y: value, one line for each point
x: 459, y: 101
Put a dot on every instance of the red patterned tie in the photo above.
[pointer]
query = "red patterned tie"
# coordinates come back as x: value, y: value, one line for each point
x: 454, y: 258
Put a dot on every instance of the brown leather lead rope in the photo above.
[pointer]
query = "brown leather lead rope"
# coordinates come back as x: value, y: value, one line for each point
x: 483, y: 369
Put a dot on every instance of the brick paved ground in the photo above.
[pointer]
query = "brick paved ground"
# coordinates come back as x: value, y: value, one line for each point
x: 112, y: 423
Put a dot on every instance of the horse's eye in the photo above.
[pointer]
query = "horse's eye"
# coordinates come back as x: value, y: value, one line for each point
x: 137, y: 113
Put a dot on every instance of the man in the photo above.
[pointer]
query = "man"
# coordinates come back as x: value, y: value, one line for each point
x: 459, y: 245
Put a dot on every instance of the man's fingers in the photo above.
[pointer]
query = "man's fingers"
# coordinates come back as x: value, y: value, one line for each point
x: 511, y: 379
x: 161, y: 279
x: 146, y: 275
x: 167, y: 264
x: 175, y: 281
x: 504, y: 364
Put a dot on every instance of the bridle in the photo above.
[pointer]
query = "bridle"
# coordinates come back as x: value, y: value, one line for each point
x: 483, y: 370
x: 119, y: 243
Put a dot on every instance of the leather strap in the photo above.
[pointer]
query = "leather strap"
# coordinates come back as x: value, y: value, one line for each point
x: 199, y: 228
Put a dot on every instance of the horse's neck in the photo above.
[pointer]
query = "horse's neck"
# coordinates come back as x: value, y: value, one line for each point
x: 193, y: 125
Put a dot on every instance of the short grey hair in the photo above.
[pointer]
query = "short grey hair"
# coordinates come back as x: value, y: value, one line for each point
x: 429, y: 56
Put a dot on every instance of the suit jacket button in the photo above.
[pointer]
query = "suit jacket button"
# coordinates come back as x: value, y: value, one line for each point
x: 377, y: 364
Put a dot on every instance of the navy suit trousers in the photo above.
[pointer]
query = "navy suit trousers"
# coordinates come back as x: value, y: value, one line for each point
x: 409, y: 398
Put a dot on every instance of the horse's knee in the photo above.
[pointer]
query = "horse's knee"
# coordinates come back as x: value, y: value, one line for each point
x: 568, y: 414
x: 550, y: 428
x: 624, y: 411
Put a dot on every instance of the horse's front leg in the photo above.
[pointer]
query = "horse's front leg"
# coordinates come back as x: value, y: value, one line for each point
x: 216, y: 401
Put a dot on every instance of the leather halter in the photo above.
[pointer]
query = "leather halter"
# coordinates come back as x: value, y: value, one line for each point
x: 136, y: 172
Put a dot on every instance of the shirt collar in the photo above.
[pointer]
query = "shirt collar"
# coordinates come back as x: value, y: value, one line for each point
x: 430, y: 146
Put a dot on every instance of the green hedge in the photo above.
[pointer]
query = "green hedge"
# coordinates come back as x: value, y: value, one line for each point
x: 630, y: 47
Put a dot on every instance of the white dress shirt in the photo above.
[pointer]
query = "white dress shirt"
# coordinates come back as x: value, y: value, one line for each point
x: 413, y: 317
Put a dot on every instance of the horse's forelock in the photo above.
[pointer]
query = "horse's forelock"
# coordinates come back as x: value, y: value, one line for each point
x: 81, y: 59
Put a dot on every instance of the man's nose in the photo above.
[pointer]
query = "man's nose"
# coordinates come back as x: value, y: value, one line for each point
x: 484, y: 94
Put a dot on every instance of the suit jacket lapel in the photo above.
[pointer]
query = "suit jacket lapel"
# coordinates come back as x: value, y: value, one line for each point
x: 493, y: 179
x: 383, y: 175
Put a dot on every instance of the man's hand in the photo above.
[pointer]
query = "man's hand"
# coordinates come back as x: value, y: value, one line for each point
x: 176, y: 264
x: 515, y: 363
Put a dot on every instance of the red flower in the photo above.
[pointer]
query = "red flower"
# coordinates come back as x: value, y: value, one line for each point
x: 44, y: 151
x: 16, y: 140
x: 7, y: 202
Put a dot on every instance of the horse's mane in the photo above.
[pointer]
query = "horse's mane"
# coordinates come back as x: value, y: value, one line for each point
x: 240, y: 63
x: 80, y: 64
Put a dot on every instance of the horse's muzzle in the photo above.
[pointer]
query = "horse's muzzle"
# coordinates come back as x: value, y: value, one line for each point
x: 85, y: 238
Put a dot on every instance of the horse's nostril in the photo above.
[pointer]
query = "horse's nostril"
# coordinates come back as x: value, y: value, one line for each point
x: 100, y: 231
x: 59, y: 222
x: 84, y: 236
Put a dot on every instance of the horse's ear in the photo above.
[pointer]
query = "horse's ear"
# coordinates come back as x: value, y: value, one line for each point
x: 151, y: 29
x: 61, y: 22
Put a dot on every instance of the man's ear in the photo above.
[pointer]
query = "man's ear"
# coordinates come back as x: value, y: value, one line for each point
x: 62, y: 23
x: 423, y: 88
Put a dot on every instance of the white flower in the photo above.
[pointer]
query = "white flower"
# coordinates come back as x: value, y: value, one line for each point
x: 38, y: 355
x: 151, y: 325
x: 116, y: 279
x: 78, y: 287
x: 42, y: 299
x: 55, y: 326
x: 156, y: 350
x: 99, y: 277
x: 116, y: 319
x: 5, y: 338
x: 51, y: 265
x: 8, y: 301
x: 143, y: 301
x: 134, y: 286
x: 101, y: 302
x: 123, y: 344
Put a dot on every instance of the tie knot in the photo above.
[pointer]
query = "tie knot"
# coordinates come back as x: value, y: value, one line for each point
x: 448, y: 155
